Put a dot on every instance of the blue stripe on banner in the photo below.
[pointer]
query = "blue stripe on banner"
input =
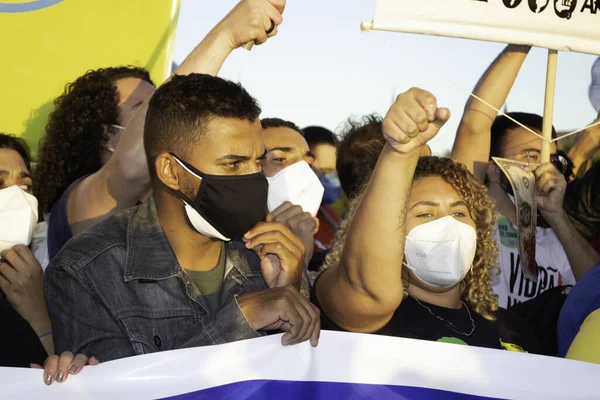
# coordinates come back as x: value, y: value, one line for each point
x: 298, y: 390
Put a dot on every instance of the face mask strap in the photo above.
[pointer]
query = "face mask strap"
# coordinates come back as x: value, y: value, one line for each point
x: 189, y: 168
x: 178, y: 193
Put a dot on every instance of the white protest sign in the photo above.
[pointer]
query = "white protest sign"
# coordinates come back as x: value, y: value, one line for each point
x: 570, y: 25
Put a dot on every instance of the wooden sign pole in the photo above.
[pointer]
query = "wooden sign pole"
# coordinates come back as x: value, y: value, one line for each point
x: 549, y: 104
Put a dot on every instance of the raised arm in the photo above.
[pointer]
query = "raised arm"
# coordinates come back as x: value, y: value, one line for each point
x: 121, y: 182
x: 586, y: 146
x: 472, y: 143
x: 362, y: 292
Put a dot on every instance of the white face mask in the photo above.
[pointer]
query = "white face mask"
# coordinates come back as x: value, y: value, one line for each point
x: 595, y: 86
x: 297, y: 184
x: 18, y: 217
x: 441, y: 252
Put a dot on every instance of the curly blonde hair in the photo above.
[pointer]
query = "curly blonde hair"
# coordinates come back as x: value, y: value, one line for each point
x: 476, y: 287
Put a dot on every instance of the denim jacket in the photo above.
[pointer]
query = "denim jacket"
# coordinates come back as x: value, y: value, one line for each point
x: 117, y: 290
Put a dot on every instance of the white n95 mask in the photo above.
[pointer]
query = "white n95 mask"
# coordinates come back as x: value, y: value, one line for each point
x: 297, y: 184
x: 18, y: 217
x: 441, y: 252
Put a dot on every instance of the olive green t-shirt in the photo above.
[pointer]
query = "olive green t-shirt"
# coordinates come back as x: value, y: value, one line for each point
x: 209, y: 283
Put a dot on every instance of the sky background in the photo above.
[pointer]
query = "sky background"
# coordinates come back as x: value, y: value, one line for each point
x: 321, y: 69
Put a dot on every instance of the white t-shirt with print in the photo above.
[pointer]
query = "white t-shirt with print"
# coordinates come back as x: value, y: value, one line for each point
x: 554, y: 269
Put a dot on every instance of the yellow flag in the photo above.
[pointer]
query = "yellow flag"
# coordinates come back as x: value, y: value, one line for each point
x: 48, y: 43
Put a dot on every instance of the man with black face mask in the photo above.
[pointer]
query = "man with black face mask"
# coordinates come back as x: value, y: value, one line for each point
x: 200, y: 262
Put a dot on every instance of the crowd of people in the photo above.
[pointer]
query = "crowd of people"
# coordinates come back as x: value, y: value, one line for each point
x: 161, y: 218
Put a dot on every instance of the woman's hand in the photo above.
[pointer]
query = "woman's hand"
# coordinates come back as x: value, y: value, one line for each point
x: 57, y: 369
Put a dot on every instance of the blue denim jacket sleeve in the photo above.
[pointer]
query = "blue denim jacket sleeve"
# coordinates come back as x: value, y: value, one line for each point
x: 82, y: 324
x: 228, y: 324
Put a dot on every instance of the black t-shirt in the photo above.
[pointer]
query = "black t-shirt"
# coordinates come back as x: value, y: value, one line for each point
x: 420, y: 321
x: 19, y: 344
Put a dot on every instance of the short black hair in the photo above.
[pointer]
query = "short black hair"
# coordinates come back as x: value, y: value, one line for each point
x: 180, y: 110
x: 358, y: 152
x: 502, y: 125
x: 316, y: 135
x: 17, y: 144
x: 279, y: 123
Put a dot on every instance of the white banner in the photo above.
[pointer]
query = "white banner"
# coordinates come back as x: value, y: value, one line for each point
x: 572, y: 25
x: 344, y: 366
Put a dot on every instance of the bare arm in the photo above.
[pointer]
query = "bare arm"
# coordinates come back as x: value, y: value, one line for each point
x: 585, y: 147
x: 472, y: 143
x: 363, y: 291
x: 582, y: 256
x: 120, y: 183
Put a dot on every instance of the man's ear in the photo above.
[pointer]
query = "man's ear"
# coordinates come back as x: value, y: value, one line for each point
x: 167, y: 170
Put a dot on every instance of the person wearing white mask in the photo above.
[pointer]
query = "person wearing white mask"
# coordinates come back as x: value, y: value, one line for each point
x: 25, y: 329
x: 415, y: 256
x: 26, y: 337
x: 295, y: 192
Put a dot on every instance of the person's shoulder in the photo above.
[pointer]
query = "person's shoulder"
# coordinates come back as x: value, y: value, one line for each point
x: 102, y: 239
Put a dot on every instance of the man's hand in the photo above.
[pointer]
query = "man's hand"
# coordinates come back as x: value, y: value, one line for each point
x: 301, y: 223
x: 57, y: 369
x: 250, y: 20
x: 281, y: 253
x: 282, y: 309
x: 413, y: 120
x: 21, y: 280
x: 551, y: 186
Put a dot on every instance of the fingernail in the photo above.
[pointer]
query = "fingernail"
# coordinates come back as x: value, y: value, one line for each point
x: 59, y: 377
x: 48, y: 380
x: 73, y: 368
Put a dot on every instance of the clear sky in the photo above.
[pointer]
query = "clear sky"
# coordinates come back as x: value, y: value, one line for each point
x: 321, y: 69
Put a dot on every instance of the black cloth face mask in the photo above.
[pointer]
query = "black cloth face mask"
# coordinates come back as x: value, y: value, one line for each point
x: 230, y: 204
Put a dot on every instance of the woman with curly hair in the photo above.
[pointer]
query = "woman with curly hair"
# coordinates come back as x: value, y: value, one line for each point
x: 416, y: 254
